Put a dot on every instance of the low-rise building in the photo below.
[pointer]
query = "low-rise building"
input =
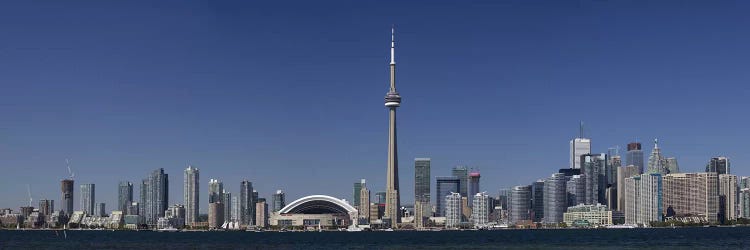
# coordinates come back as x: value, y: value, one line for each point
x: 588, y: 215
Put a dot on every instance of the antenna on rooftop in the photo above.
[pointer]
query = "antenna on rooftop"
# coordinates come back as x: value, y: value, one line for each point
x: 31, y: 200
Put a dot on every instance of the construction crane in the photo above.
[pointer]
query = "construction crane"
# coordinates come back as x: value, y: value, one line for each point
x: 31, y: 200
x: 70, y: 172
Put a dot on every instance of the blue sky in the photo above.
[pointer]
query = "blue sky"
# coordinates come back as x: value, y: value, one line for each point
x: 290, y: 94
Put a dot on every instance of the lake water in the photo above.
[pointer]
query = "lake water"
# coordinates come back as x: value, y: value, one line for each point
x: 682, y: 238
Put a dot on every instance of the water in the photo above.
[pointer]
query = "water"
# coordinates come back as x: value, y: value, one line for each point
x: 683, y: 238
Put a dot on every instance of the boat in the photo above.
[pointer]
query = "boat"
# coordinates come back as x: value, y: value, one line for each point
x: 620, y: 226
x: 168, y: 229
x: 389, y: 230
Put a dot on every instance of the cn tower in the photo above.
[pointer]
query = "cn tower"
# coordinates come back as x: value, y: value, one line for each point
x: 392, y: 101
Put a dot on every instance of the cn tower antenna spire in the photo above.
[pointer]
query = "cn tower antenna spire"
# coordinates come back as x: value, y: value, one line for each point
x: 393, y: 44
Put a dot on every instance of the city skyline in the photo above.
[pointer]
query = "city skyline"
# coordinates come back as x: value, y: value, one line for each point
x: 120, y: 124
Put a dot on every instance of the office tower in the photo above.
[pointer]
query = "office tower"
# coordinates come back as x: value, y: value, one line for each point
x: 356, y: 192
x: 261, y: 209
x: 473, y: 185
x: 215, y: 189
x: 422, y: 179
x: 520, y: 204
x: 453, y: 210
x: 634, y: 156
x: 445, y: 186
x: 421, y: 213
x: 718, y: 165
x: 226, y: 199
x: 247, y: 203
x: 191, y: 192
x: 142, y: 204
x: 157, y: 196
x: 88, y: 201
x: 555, y: 198
x: 465, y: 209
x: 392, y: 101
x: 656, y: 161
x: 46, y: 207
x: 615, y: 162
x: 124, y: 196
x: 622, y: 173
x: 744, y: 202
x: 463, y: 175
x: 364, y: 204
x: 727, y: 197
x: 215, y: 215
x: 592, y: 166
x: 644, y: 199
x: 480, y: 212
x: 66, y: 186
x: 579, y: 146
x: 380, y: 197
x: 691, y: 195
x: 670, y: 164
x: 576, y: 190
x: 537, y: 200
x: 279, y: 201
x: 100, y: 210
x: 236, y: 211
x: 133, y: 208
x: 503, y: 197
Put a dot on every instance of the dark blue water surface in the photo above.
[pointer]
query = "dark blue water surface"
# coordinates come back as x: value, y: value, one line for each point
x: 681, y: 238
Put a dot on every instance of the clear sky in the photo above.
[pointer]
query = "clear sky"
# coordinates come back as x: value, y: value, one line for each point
x: 290, y: 94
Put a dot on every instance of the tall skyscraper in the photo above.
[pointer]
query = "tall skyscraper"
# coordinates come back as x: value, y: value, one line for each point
x: 473, y: 185
x: 594, y: 171
x: 236, y: 211
x: 744, y: 197
x: 718, y: 165
x: 191, y: 192
x: 279, y: 200
x: 727, y: 197
x: 88, y: 201
x: 537, y: 200
x: 579, y: 146
x: 156, y: 196
x: 691, y: 195
x: 656, y: 160
x: 66, y: 187
x: 226, y: 201
x: 422, y: 179
x: 576, y: 190
x: 125, y: 196
x: 444, y: 186
x: 453, y: 210
x: 462, y: 173
x: 364, y: 204
x: 100, y: 210
x: 47, y: 207
x: 634, y: 156
x: 392, y: 101
x: 261, y: 216
x: 644, y: 199
x: 247, y: 203
x: 555, y: 198
x: 622, y: 173
x: 480, y: 211
x: 520, y: 207
x: 215, y: 215
x: 356, y: 192
x: 215, y: 189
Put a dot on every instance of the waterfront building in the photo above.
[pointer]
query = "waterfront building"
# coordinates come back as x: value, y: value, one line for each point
x: 226, y: 199
x: 236, y: 211
x: 453, y: 210
x: 392, y: 101
x: 215, y: 215
x: 176, y: 215
x: 191, y: 192
x: 88, y: 201
x: 691, y: 197
x: 247, y: 203
x: 364, y: 204
x: 156, y: 196
x: 744, y: 203
x: 261, y: 213
x: 555, y: 198
x: 589, y: 215
x: 634, y: 156
x: 520, y: 204
x: 279, y: 202
x: 66, y: 186
x: 578, y: 147
x: 576, y: 190
x: 422, y: 179
x: 46, y: 207
x: 480, y: 210
x: 314, y: 210
x: 445, y: 186
x: 537, y: 200
x: 622, y: 173
x: 719, y: 165
x: 462, y: 173
x: 422, y: 213
x: 727, y: 197
x: 473, y: 185
x: 643, y: 199
x: 100, y: 210
x: 124, y: 195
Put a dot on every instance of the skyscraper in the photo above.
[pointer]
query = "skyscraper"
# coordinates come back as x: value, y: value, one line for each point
x: 215, y: 189
x: 537, y: 200
x: 622, y: 173
x: 594, y: 166
x: 261, y: 216
x: 691, y: 195
x: 727, y: 197
x: 644, y: 199
x: 520, y: 206
x: 444, y: 186
x: 88, y: 201
x: 718, y: 165
x: 100, y: 210
x: 47, y: 207
x: 473, y: 185
x: 634, y: 156
x: 236, y: 211
x: 191, y: 192
x: 247, y: 203
x: 156, y: 196
x: 670, y: 163
x: 392, y: 101
x: 480, y: 211
x: 462, y: 174
x: 555, y: 198
x: 356, y: 192
x: 125, y: 196
x: 422, y: 179
x: 453, y: 210
x: 579, y: 146
x: 66, y: 187
x: 364, y: 204
x: 576, y: 190
x: 215, y: 215
x: 226, y: 201
x: 279, y: 200
x: 656, y: 160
